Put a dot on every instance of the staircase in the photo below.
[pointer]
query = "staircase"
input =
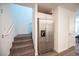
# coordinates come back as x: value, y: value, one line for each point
x: 22, y: 46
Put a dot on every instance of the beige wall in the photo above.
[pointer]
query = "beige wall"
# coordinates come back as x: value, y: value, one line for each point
x: 64, y: 29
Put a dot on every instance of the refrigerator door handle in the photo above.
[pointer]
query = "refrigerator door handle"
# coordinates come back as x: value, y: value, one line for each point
x: 43, y: 33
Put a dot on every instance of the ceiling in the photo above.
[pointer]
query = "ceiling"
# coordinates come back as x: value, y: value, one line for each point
x: 31, y: 5
x: 48, y: 7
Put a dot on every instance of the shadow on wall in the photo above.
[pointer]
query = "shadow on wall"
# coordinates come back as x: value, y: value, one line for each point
x: 22, y: 18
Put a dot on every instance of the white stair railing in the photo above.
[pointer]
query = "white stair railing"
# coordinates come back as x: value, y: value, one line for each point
x: 8, y: 32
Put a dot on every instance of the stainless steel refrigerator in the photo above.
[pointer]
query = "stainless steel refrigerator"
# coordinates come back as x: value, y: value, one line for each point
x: 45, y: 35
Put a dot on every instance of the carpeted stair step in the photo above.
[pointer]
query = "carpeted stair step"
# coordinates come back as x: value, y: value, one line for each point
x: 22, y: 42
x: 29, y: 52
x: 22, y: 46
x: 22, y: 36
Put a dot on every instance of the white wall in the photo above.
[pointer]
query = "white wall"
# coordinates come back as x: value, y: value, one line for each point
x: 71, y: 41
x: 6, y: 42
x: 34, y: 27
x: 55, y: 16
x: 64, y: 29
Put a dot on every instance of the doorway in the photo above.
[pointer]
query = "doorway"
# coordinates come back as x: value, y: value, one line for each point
x: 77, y: 34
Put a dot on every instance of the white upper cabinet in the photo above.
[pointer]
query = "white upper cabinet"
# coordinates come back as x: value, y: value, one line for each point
x: 44, y: 16
x: 41, y: 15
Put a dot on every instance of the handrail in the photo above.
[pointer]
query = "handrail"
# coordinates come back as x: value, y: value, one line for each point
x: 6, y: 34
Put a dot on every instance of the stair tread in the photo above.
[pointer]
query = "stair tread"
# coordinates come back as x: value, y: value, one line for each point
x: 24, y: 36
x: 21, y: 46
x: 22, y: 40
x: 24, y: 52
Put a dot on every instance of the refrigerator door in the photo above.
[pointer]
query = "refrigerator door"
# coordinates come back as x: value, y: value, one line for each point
x: 49, y: 35
x: 42, y: 36
x: 45, y: 39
